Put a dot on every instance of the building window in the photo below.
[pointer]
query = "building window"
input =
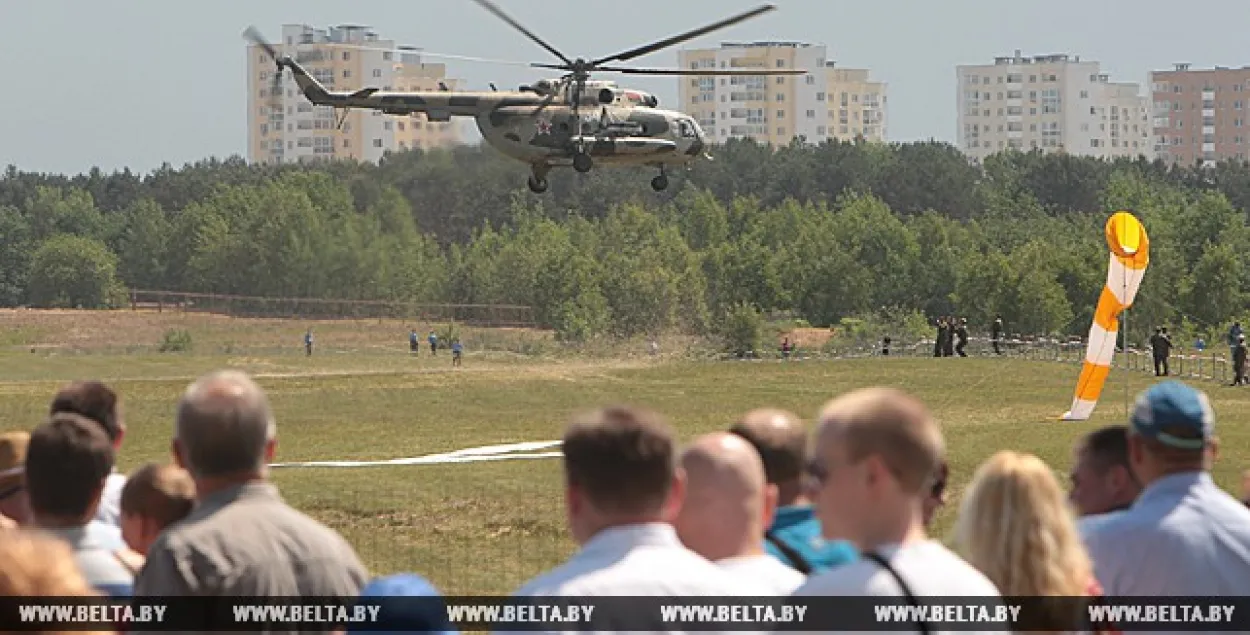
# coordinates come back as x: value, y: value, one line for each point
x: 377, y: 72
x: 386, y: 56
x: 1085, y: 94
x: 347, y: 73
x: 781, y: 114
x: 820, y: 130
x: 820, y: 96
x: 781, y: 97
x: 377, y: 143
x: 781, y: 80
x: 811, y: 80
x: 1236, y: 105
x: 811, y: 114
x: 346, y: 56
x: 781, y: 132
x: 781, y: 63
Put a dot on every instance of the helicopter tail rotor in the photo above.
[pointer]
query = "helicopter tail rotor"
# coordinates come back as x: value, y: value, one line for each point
x: 253, y: 35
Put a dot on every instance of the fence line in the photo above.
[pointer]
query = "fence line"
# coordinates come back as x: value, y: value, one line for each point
x: 1207, y: 365
x: 496, y: 315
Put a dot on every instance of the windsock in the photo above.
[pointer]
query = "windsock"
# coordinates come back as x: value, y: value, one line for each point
x: 1130, y: 253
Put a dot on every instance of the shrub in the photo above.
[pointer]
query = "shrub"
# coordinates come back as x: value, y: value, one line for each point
x: 176, y: 341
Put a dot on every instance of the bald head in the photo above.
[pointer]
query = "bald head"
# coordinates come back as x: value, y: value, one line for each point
x: 890, y: 424
x: 729, y: 502
x: 224, y: 424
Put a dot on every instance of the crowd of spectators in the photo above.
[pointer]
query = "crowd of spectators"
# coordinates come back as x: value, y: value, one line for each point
x: 766, y: 507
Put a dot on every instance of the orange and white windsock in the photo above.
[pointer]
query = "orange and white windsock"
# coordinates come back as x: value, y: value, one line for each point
x: 1130, y: 253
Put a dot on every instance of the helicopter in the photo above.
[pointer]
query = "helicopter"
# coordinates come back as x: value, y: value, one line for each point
x: 567, y: 121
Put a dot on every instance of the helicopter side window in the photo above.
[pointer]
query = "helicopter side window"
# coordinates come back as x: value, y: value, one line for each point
x: 686, y: 129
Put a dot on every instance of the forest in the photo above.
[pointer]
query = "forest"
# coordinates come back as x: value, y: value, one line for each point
x: 888, y: 233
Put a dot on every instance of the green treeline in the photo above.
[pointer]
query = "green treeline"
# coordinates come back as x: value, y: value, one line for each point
x: 824, y: 233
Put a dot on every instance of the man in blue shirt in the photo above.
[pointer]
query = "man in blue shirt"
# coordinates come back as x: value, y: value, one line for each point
x: 456, y: 350
x: 413, y: 341
x: 308, y: 342
x: 1183, y: 536
x: 794, y: 537
x: 433, y: 343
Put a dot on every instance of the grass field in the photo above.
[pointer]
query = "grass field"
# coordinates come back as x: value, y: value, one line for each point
x: 486, y: 527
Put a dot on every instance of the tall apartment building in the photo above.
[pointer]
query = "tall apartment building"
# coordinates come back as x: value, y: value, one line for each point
x: 286, y: 127
x: 1052, y: 103
x: 825, y: 103
x: 1201, y: 115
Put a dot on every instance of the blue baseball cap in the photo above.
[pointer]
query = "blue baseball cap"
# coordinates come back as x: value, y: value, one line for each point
x: 401, y: 610
x: 1175, y: 406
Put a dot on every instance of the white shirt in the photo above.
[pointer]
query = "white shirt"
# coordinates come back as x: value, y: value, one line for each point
x: 764, y: 570
x: 928, y: 568
x: 110, y: 510
x: 638, y: 560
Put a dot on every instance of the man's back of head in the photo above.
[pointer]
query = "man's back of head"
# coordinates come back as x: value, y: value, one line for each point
x: 728, y: 500
x: 1171, y: 430
x: 67, y: 461
x: 728, y: 507
x: 620, y: 465
x: 93, y: 400
x: 781, y: 441
x: 225, y: 428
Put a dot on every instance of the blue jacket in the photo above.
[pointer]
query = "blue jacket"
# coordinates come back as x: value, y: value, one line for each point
x: 798, y: 528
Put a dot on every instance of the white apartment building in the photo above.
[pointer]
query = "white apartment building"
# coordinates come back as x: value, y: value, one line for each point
x: 287, y: 128
x: 1052, y: 103
x: 824, y: 103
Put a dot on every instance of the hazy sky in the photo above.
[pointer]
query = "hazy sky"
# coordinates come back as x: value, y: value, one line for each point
x: 140, y: 82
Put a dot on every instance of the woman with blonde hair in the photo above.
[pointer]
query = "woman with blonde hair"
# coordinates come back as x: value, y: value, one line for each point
x: 1016, y: 527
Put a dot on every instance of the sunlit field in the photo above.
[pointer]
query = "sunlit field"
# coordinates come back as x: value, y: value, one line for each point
x: 484, y: 527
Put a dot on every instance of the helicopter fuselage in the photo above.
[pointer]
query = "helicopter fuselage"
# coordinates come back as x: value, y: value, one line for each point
x: 612, y: 126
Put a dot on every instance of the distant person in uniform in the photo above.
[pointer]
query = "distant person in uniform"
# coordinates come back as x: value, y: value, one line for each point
x: 308, y: 342
x: 1233, y: 333
x: 433, y: 339
x: 996, y: 333
x: 885, y: 345
x: 414, y: 344
x: 1161, y: 346
x: 457, y: 349
x: 948, y: 343
x: 940, y: 337
x: 1239, y: 361
x: 785, y: 348
x: 961, y: 334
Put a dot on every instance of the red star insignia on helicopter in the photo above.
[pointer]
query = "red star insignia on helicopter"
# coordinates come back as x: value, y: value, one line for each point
x: 543, y: 126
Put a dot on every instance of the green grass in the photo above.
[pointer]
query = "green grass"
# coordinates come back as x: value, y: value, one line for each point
x: 486, y: 527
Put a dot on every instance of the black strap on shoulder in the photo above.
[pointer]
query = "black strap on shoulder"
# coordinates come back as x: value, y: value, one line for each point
x: 796, y: 559
x: 911, y: 598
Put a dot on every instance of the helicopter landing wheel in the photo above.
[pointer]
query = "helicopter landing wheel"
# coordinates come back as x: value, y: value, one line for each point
x: 537, y: 186
x: 659, y: 183
x: 582, y: 162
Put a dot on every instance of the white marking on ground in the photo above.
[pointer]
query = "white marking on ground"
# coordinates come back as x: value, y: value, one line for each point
x: 501, y: 452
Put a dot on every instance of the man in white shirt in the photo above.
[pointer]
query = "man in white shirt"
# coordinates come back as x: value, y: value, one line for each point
x: 876, y: 452
x: 729, y: 504
x: 623, y: 489
x: 97, y: 402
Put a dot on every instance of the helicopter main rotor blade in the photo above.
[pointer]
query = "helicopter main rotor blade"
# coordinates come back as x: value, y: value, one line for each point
x: 678, y: 39
x: 253, y: 35
x: 493, y: 8
x: 702, y: 72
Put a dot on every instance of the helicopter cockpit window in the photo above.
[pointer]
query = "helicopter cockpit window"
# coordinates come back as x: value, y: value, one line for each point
x: 687, y: 130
